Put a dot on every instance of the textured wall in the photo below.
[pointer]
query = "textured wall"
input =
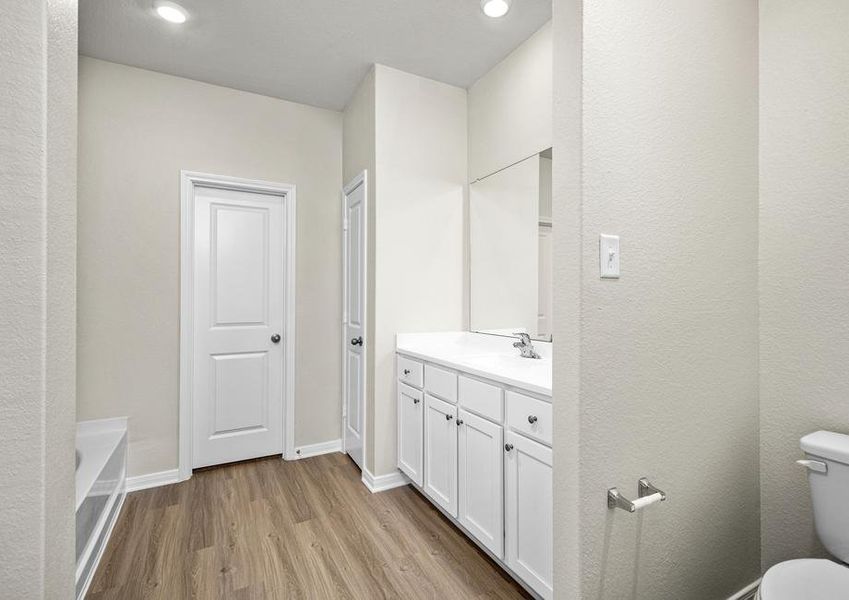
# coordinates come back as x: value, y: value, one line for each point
x: 668, y: 357
x: 566, y: 276
x: 138, y: 129
x: 37, y: 236
x: 804, y: 282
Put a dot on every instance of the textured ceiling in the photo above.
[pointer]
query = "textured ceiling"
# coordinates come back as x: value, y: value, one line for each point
x: 309, y: 51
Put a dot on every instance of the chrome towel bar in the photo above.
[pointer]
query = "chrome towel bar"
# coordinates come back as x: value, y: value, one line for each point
x: 648, y: 494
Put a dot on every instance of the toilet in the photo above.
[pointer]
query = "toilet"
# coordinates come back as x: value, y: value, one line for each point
x: 827, y: 462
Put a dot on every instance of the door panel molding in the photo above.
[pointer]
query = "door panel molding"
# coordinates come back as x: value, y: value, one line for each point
x: 189, y: 181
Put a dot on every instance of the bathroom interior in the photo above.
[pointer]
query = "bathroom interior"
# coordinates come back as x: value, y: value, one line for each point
x: 395, y: 299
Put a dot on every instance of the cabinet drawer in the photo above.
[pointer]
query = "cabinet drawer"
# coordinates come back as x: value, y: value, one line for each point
x: 440, y: 382
x: 529, y: 416
x: 481, y: 398
x: 410, y: 371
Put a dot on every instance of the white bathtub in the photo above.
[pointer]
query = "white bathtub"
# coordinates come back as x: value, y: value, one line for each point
x: 101, y: 488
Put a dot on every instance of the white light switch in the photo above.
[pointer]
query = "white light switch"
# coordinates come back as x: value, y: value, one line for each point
x: 608, y: 256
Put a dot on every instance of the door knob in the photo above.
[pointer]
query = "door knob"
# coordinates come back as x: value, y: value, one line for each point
x: 275, y: 338
x: 508, y: 447
x: 357, y: 341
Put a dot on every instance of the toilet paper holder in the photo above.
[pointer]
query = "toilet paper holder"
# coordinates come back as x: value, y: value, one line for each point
x: 647, y: 494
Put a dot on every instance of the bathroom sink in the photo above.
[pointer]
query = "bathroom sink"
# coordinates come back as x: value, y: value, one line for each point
x: 513, y: 367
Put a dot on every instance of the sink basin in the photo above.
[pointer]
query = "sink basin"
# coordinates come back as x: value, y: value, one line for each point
x: 504, y: 362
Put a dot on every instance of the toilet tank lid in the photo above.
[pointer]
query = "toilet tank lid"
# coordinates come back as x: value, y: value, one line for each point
x: 828, y: 445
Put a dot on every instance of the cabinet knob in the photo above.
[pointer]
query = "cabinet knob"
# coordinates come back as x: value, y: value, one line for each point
x: 532, y: 419
x: 459, y: 422
x: 449, y: 417
x: 406, y: 371
x: 357, y: 341
x: 275, y: 339
x: 508, y: 447
x: 416, y: 400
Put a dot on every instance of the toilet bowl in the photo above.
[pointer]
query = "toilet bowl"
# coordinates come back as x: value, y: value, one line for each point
x: 805, y: 579
x: 827, y: 461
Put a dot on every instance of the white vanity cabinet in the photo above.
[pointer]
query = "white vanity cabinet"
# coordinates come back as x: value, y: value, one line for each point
x: 411, y: 432
x: 480, y: 451
x: 481, y: 479
x: 440, y: 454
x: 529, y: 512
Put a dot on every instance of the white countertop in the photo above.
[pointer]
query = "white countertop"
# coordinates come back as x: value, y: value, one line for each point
x: 489, y: 356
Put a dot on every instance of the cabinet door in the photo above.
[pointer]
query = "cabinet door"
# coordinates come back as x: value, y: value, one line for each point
x: 440, y: 460
x: 481, y: 480
x: 528, y: 504
x: 410, y: 432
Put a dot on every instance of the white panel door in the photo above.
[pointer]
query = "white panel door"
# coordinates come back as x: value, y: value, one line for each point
x: 238, y: 362
x: 546, y: 290
x: 529, y: 512
x: 354, y: 318
x: 440, y: 460
x: 481, y: 481
x: 410, y: 432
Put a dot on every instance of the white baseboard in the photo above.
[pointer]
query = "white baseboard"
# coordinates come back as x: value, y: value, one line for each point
x: 152, y: 480
x: 381, y: 483
x: 748, y: 592
x: 318, y: 449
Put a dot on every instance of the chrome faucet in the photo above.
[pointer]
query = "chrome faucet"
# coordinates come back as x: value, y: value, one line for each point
x: 525, y: 346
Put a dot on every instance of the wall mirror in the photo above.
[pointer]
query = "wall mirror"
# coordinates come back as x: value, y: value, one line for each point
x: 510, y: 249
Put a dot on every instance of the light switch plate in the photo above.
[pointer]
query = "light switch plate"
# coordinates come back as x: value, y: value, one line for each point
x: 608, y: 256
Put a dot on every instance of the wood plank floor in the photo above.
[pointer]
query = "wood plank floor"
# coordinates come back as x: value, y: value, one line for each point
x: 304, y: 529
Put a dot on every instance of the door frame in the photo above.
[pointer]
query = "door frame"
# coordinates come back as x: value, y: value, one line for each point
x: 359, y: 179
x: 189, y: 180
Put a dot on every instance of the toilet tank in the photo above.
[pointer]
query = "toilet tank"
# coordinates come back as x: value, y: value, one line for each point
x: 830, y: 490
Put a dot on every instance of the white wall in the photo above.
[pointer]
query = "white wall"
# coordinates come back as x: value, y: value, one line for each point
x: 510, y: 107
x: 567, y: 28
x: 138, y: 129
x: 420, y: 179
x: 38, y: 45
x: 668, y: 353
x: 358, y: 155
x: 804, y: 282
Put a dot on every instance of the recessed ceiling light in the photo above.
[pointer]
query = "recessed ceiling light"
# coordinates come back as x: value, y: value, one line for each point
x: 495, y: 8
x: 173, y: 13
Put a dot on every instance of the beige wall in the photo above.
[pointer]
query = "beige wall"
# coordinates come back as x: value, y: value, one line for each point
x: 418, y: 237
x: 38, y: 85
x: 668, y: 353
x: 358, y: 154
x: 510, y: 107
x: 138, y: 129
x: 804, y: 283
